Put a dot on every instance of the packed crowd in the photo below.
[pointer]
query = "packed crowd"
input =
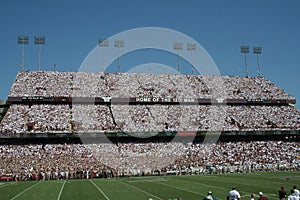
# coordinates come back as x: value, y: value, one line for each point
x: 144, y: 118
x: 36, y: 118
x: 53, y: 161
x: 99, y: 84
x: 204, y: 118
x: 241, y: 156
x: 45, y: 118
x: 43, y: 83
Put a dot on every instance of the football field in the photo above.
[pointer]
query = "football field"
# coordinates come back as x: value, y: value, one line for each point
x: 193, y: 187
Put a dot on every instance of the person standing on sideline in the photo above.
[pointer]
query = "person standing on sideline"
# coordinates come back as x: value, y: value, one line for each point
x: 293, y: 196
x: 296, y: 191
x: 282, y: 194
x: 233, y: 194
x: 252, y: 197
x: 261, y: 196
x: 209, y: 196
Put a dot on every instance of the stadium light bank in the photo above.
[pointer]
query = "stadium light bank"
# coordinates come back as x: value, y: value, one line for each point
x: 192, y: 47
x: 22, y: 40
x: 39, y: 40
x: 178, y: 47
x: 119, y: 44
x: 245, y: 50
x: 102, y: 44
x: 257, y: 51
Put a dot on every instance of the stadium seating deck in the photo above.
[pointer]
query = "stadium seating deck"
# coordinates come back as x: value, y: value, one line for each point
x: 49, y: 118
x: 42, y: 103
x: 99, y: 84
x: 68, y: 103
x: 52, y: 161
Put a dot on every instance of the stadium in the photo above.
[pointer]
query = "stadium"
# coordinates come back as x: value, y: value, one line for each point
x: 142, y: 136
x: 149, y: 100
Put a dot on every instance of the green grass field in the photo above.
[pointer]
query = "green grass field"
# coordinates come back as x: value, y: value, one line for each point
x: 145, y: 188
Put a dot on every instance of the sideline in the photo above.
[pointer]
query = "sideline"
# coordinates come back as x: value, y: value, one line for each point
x: 25, y: 191
x: 179, y: 188
x: 148, y: 193
x: 99, y: 189
x: 6, y: 184
x: 270, y: 195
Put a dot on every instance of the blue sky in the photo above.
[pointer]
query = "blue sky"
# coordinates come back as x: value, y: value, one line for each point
x: 72, y: 29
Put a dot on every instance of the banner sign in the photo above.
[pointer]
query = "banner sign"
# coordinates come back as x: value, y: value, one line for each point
x: 146, y: 100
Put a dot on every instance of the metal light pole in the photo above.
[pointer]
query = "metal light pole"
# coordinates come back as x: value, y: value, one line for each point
x: 178, y: 46
x: 103, y: 43
x: 22, y: 40
x: 257, y: 51
x: 39, y: 40
x: 192, y: 47
x: 119, y: 44
x: 245, y: 50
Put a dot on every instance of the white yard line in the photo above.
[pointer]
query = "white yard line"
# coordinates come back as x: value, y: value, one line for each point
x: 179, y: 188
x: 61, y: 189
x: 144, y: 181
x: 6, y: 184
x: 247, y: 183
x: 200, y: 184
x: 25, y: 190
x: 99, y: 189
x: 269, y: 195
x: 148, y: 193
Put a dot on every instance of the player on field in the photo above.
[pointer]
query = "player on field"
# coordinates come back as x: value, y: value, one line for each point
x: 296, y: 191
x: 293, y: 196
x: 233, y: 194
x: 209, y: 196
x: 261, y: 196
x: 282, y: 194
x: 252, y: 197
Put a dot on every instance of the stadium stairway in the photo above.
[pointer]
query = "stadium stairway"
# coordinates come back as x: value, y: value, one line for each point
x: 4, y: 106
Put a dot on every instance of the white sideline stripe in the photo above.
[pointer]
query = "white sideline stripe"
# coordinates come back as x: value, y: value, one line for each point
x: 267, y: 195
x: 25, y: 191
x: 61, y: 189
x: 180, y: 188
x: 2, y: 185
x: 144, y: 181
x: 99, y: 189
x: 270, y: 197
x: 148, y: 193
x: 200, y: 184
x: 264, y: 186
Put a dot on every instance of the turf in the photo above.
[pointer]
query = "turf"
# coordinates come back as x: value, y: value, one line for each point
x: 156, y: 188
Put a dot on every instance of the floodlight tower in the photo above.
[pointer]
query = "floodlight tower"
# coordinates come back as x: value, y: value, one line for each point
x: 119, y: 44
x: 192, y: 47
x: 178, y: 47
x: 245, y: 50
x: 39, y: 40
x: 257, y: 51
x: 103, y: 43
x: 22, y: 40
